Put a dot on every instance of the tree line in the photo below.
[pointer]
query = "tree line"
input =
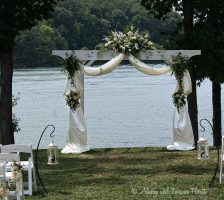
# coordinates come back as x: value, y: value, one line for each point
x: 83, y: 24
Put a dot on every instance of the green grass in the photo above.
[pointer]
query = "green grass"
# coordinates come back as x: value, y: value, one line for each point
x: 130, y: 173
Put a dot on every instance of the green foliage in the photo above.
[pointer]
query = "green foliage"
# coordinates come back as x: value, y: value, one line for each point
x: 70, y: 65
x: 209, y: 37
x: 16, y: 16
x: 207, y: 34
x: 77, y: 24
x: 180, y: 65
x: 34, y: 46
x: 160, y: 8
x: 15, y: 120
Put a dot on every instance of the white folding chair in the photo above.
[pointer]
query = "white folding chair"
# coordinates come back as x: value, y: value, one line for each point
x: 10, y: 158
x: 221, y: 160
x: 28, y: 165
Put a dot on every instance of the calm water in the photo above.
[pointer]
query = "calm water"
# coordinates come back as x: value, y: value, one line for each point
x: 123, y: 109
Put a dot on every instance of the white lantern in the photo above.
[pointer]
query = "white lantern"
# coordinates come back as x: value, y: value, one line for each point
x: 203, y: 149
x: 52, y: 152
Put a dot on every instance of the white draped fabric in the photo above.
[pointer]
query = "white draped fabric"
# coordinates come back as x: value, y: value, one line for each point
x: 103, y: 69
x: 144, y: 68
x: 77, y: 131
x: 182, y: 128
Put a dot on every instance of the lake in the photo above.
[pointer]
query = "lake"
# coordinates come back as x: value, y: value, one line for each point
x: 125, y: 108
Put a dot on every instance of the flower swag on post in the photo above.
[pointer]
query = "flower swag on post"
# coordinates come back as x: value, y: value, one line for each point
x: 72, y: 99
x: 70, y: 64
x: 130, y: 41
x: 179, y: 66
x: 17, y: 171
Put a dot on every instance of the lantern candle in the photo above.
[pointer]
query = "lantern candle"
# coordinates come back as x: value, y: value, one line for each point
x: 52, y: 154
x: 203, y: 149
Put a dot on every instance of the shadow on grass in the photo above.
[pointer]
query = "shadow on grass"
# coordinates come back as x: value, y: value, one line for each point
x: 189, y: 169
x: 117, y: 166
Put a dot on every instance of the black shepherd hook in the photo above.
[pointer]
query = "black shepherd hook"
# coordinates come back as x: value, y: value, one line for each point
x: 52, y: 136
x: 36, y: 163
x: 204, y: 127
x: 217, y: 147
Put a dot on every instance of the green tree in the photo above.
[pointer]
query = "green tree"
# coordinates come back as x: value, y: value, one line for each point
x: 160, y: 9
x: 119, y: 19
x: 77, y: 24
x: 203, y: 29
x: 15, y: 16
x: 34, y: 46
x: 209, y: 36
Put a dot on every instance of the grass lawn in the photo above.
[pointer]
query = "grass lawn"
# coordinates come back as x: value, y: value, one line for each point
x: 129, y: 173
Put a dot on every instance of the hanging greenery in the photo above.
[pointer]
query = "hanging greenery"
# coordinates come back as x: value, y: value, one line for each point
x: 15, y: 120
x: 130, y: 41
x: 70, y: 64
x: 179, y: 66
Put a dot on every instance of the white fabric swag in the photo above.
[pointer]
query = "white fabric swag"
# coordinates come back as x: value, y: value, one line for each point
x: 104, y: 69
x: 146, y: 69
x: 183, y: 138
x: 77, y: 132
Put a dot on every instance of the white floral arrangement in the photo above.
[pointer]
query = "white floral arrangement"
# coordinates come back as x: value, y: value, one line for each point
x: 72, y: 99
x: 179, y: 99
x: 130, y: 41
x: 16, y: 174
x: 4, y: 188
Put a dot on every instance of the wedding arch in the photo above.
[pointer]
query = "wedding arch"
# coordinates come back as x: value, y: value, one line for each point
x: 77, y: 132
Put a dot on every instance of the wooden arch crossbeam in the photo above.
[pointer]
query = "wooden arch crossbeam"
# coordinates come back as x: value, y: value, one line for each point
x: 93, y: 55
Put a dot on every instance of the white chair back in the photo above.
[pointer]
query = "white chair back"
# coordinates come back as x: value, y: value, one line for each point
x: 28, y: 165
x: 9, y: 157
x: 2, y: 170
x: 23, y: 148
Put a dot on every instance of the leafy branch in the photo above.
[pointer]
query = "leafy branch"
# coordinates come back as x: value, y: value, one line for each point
x: 70, y: 65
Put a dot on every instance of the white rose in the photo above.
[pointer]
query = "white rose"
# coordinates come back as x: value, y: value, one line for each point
x: 129, y: 33
x: 150, y: 43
